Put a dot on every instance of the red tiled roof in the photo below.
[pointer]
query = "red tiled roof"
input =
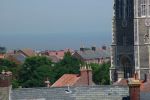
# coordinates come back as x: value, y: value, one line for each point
x: 2, y: 56
x: 59, y: 54
x: 66, y: 79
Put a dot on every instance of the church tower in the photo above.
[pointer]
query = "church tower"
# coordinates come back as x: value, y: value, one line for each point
x: 141, y: 36
x: 130, y: 39
x: 122, y: 62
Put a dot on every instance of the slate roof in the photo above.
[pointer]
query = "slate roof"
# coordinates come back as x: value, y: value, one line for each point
x: 144, y: 95
x: 91, y: 54
x: 19, y: 57
x: 73, y: 93
x: 66, y: 79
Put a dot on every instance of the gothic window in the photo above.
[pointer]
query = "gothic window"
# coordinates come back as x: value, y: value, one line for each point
x: 143, y: 8
x: 119, y: 9
x: 124, y: 40
x: 148, y: 7
x: 128, y: 9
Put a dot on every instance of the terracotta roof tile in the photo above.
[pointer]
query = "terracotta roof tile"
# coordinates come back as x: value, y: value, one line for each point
x: 66, y: 79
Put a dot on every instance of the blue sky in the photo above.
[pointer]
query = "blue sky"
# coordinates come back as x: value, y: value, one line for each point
x: 55, y: 24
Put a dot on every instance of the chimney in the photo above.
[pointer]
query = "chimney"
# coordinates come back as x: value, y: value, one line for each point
x: 104, y: 47
x: 86, y: 75
x: 134, y: 88
x: 93, y: 48
x: 82, y: 49
x: 47, y: 82
x: 5, y: 79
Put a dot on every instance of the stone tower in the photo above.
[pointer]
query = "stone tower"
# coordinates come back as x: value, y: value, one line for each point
x: 130, y: 39
x: 122, y: 62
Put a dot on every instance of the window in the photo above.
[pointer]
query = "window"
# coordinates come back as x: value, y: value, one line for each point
x: 143, y: 8
x: 148, y: 7
x: 124, y: 40
x: 119, y: 9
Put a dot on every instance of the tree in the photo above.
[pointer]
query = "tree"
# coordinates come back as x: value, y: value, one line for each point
x: 34, y: 71
x: 10, y: 66
x: 68, y: 65
x: 101, y: 73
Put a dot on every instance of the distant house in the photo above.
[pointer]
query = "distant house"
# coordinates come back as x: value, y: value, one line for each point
x: 55, y: 55
x: 2, y: 56
x: 26, y: 52
x: 93, y: 55
x: 19, y: 56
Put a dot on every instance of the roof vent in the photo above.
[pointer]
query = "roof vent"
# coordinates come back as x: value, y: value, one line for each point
x: 68, y: 90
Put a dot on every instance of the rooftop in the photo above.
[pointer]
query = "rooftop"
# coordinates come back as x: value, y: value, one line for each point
x: 71, y: 93
x: 66, y: 79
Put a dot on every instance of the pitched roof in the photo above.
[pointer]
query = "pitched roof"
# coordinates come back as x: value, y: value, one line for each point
x: 91, y: 54
x: 28, y: 52
x: 54, y: 58
x: 66, y: 79
x: 19, y: 57
x: 73, y: 93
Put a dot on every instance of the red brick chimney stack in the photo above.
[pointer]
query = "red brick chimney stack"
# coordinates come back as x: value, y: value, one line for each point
x: 5, y: 78
x: 86, y: 75
x: 134, y: 88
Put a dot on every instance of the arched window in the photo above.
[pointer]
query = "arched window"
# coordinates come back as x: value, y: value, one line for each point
x: 127, y: 68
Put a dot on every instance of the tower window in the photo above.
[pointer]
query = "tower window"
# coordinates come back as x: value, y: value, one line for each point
x: 124, y: 40
x: 143, y: 8
x: 148, y: 7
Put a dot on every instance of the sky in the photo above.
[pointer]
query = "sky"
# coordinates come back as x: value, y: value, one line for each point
x: 55, y: 24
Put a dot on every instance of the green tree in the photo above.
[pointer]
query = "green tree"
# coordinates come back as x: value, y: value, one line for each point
x: 68, y: 65
x: 101, y: 73
x: 34, y: 71
x: 10, y: 66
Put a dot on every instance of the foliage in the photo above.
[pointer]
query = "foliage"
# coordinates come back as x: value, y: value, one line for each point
x: 67, y: 65
x: 101, y: 73
x: 10, y: 66
x: 34, y: 71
